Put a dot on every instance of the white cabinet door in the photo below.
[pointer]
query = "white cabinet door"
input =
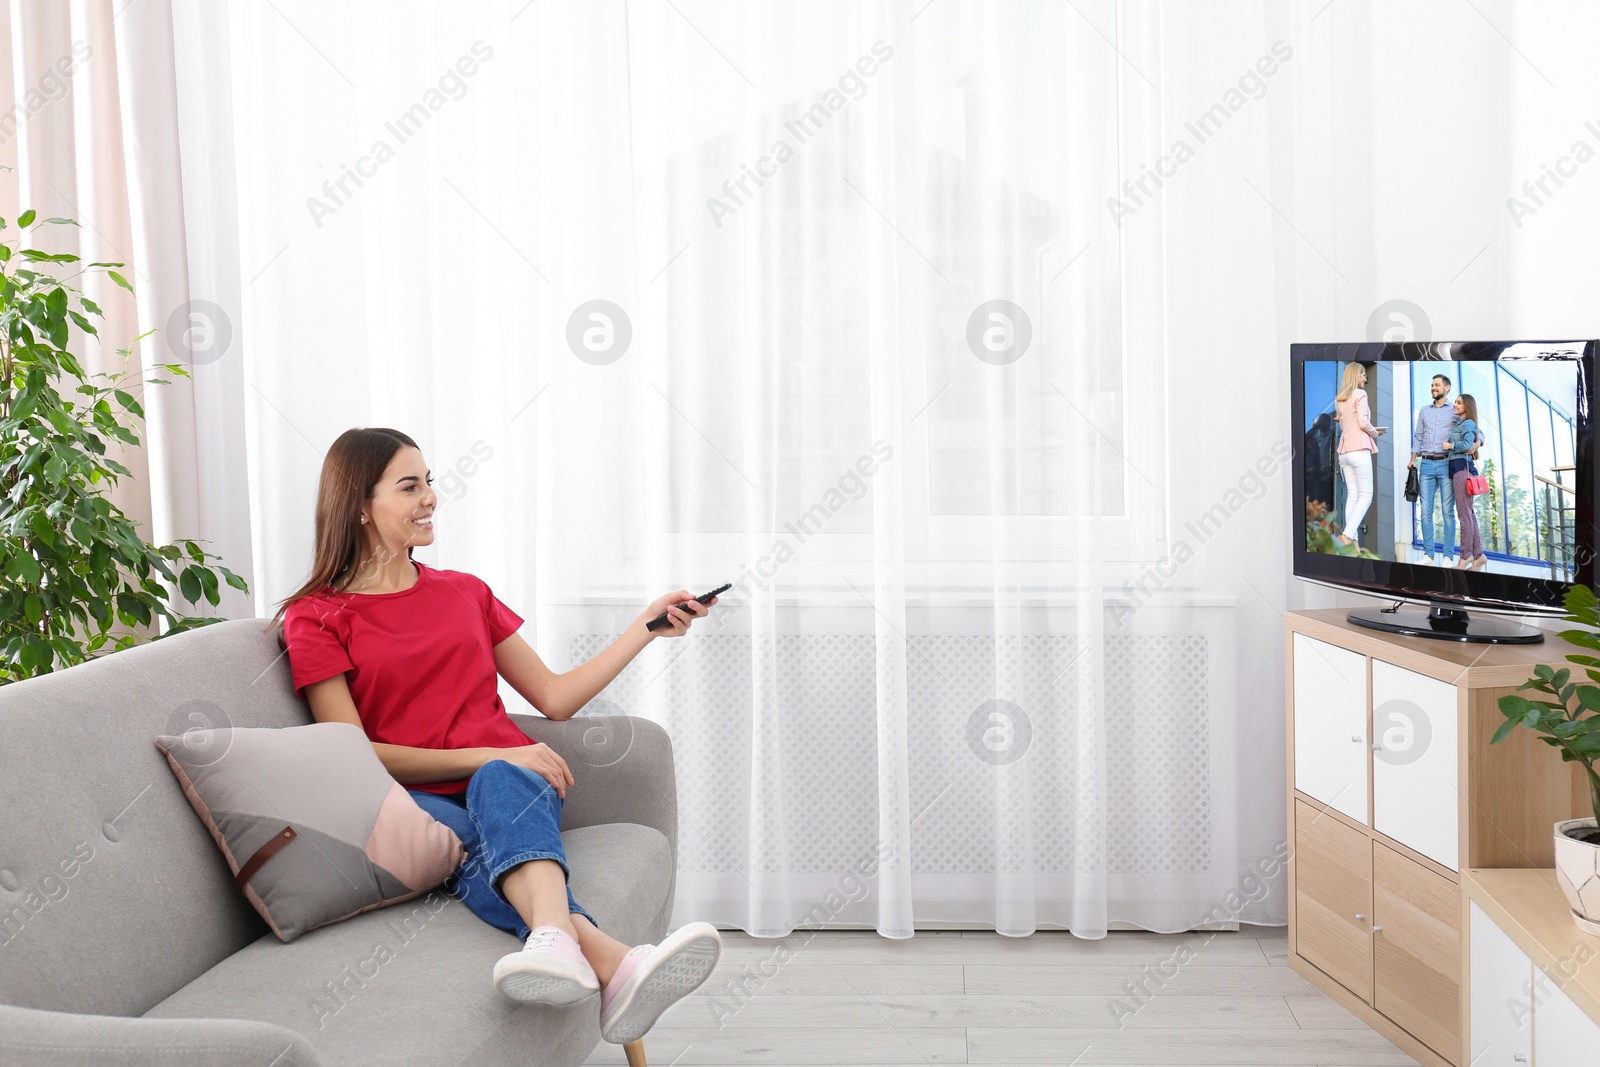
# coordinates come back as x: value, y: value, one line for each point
x: 1563, y: 1034
x: 1414, y: 797
x: 1330, y: 725
x: 1501, y: 979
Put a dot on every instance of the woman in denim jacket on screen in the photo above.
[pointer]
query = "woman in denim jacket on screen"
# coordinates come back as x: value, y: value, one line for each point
x: 1463, y: 442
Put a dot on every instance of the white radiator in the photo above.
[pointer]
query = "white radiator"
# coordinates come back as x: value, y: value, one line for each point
x: 1167, y: 694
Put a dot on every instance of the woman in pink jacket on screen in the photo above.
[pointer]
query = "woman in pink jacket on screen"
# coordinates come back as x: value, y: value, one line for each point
x: 1358, y: 441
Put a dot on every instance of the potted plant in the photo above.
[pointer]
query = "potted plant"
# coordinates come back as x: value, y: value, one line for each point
x: 71, y: 563
x: 1568, y: 718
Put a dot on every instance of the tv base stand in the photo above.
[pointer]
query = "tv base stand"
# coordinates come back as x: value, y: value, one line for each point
x: 1446, y: 622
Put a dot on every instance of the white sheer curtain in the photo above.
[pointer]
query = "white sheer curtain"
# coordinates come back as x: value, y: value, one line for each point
x: 797, y: 216
x: 1005, y: 644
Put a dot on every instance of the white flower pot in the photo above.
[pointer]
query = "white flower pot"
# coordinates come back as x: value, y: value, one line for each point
x: 1578, y: 872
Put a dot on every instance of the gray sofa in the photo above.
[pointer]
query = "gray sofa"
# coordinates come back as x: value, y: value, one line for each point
x: 122, y: 937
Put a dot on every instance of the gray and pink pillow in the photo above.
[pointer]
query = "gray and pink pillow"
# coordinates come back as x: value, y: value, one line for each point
x: 313, y: 826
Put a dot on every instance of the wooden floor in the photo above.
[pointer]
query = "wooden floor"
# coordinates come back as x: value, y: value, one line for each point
x: 974, y: 997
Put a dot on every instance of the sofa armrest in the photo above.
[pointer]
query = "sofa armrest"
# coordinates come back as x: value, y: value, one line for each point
x: 30, y: 1037
x: 622, y: 769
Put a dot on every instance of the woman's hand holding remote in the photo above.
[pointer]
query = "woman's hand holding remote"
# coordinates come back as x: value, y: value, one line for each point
x: 681, y: 608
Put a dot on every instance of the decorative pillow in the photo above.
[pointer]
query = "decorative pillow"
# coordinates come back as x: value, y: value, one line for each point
x: 311, y: 822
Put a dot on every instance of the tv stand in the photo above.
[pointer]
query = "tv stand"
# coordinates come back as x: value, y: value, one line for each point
x: 1396, y: 797
x: 1446, y: 622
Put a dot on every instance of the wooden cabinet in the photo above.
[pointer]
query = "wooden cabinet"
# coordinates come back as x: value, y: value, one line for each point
x: 1533, y: 976
x: 1334, y: 897
x: 1394, y: 790
x: 1416, y: 949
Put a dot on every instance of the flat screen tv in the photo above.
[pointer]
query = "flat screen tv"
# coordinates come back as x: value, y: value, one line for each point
x: 1503, y: 515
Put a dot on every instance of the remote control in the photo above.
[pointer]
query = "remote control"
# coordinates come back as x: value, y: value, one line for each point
x: 661, y: 622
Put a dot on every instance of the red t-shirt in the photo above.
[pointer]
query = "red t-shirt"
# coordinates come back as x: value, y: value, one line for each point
x: 419, y: 662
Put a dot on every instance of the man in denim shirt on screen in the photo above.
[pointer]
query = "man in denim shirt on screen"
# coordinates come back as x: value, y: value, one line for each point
x: 1430, y: 441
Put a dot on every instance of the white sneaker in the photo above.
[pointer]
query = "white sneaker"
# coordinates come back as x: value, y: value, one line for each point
x: 651, y: 978
x: 549, y: 969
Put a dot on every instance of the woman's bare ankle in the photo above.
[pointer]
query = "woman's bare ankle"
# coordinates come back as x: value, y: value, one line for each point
x: 603, y: 952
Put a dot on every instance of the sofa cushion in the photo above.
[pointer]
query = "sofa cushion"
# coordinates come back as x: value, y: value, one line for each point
x: 411, y: 984
x: 311, y: 823
x: 105, y: 858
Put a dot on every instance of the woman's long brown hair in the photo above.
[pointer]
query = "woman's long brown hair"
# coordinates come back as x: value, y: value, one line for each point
x: 350, y: 471
x: 1469, y: 407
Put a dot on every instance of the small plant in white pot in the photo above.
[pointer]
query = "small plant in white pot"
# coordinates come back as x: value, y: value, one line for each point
x: 1569, y: 719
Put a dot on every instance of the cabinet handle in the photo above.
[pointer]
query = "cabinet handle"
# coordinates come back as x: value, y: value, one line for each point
x: 1377, y: 746
x: 1360, y: 916
x: 1357, y: 739
x: 1377, y: 929
x: 1520, y: 1057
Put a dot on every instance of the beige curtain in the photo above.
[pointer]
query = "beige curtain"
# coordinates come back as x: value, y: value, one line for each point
x: 91, y: 125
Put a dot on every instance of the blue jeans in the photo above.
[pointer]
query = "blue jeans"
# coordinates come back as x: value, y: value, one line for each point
x: 1434, y: 475
x: 507, y: 816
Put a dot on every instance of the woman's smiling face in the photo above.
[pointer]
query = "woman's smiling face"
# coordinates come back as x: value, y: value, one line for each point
x: 400, y: 513
x: 1458, y: 407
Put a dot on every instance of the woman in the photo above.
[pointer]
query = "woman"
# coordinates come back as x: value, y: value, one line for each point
x: 1358, y: 441
x: 410, y: 654
x: 1463, y: 445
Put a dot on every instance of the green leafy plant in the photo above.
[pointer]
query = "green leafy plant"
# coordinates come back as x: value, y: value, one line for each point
x: 1320, y: 530
x: 1492, y: 501
x: 1568, y: 718
x: 1519, y: 517
x: 72, y: 565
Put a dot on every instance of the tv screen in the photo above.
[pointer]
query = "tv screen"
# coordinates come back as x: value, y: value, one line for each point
x: 1459, y: 472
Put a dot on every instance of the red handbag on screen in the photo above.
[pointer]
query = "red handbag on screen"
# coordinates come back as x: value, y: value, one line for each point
x: 1477, y: 484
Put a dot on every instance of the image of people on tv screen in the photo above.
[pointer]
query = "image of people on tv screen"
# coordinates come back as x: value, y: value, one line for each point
x: 1479, y: 476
